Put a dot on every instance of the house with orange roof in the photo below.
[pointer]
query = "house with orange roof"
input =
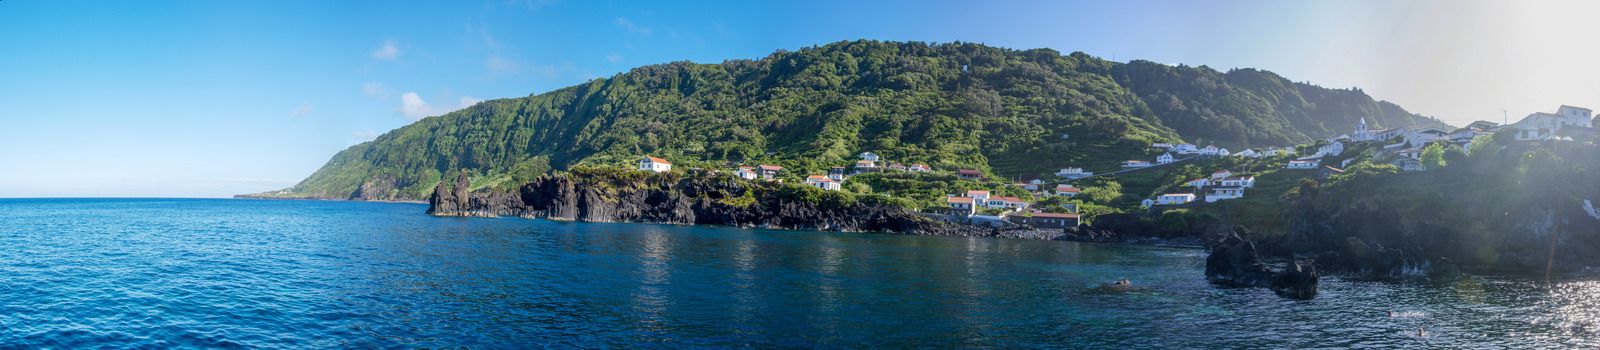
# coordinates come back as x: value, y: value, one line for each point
x: 653, y: 164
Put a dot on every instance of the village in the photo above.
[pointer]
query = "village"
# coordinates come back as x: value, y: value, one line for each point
x: 1404, y: 148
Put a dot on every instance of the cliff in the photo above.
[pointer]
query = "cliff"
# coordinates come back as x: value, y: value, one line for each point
x: 699, y: 198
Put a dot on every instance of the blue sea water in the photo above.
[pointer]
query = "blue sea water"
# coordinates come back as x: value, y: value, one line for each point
x: 163, y: 273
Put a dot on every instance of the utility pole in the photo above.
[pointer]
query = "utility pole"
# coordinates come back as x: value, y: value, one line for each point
x: 1504, y: 116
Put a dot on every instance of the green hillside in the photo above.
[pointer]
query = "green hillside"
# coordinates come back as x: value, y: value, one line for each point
x: 957, y: 105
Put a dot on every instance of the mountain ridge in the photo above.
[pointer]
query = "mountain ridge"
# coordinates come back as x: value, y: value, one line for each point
x: 955, y: 105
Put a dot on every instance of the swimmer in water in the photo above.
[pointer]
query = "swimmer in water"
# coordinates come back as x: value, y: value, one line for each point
x: 1421, y: 333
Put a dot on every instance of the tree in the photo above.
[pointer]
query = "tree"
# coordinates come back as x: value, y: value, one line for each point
x: 1433, y: 157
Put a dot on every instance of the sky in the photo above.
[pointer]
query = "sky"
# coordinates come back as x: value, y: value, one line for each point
x: 216, y: 98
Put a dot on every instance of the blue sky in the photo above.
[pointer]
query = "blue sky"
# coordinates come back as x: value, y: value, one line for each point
x: 214, y: 98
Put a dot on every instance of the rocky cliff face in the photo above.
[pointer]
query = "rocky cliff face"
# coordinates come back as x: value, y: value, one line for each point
x: 701, y: 199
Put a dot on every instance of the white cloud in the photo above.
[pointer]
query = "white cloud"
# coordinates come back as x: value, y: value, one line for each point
x: 632, y: 28
x: 303, y: 110
x: 613, y: 58
x: 375, y: 90
x: 412, y: 106
x: 386, y: 52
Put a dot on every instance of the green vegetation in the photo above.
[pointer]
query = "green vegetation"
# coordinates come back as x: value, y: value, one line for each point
x: 957, y: 105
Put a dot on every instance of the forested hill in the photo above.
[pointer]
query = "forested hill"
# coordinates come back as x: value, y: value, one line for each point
x: 1008, y: 112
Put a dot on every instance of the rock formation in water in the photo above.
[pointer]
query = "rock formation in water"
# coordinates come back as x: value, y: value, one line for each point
x: 1233, y: 262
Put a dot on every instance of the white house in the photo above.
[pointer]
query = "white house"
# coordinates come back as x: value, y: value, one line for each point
x: 747, y: 173
x: 1073, y: 173
x: 1135, y: 164
x: 1006, y: 202
x: 1174, y: 198
x: 1420, y: 138
x: 962, y: 205
x: 869, y: 156
x: 1223, y: 152
x: 1239, y: 181
x: 1161, y: 145
x: 1164, y: 158
x: 1302, y: 164
x: 1224, y: 193
x: 979, y: 195
x: 1067, y: 190
x: 866, y: 165
x: 1248, y: 153
x: 1221, y: 174
x: 1275, y: 151
x: 836, y: 173
x: 919, y: 168
x: 1185, y: 149
x: 653, y: 164
x: 1329, y: 150
x: 822, y: 182
x: 1209, y: 151
x: 1543, y: 126
x: 1147, y: 203
x: 1200, y: 182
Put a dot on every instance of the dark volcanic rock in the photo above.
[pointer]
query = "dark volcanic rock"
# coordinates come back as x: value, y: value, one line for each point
x: 1234, y: 263
x: 698, y: 198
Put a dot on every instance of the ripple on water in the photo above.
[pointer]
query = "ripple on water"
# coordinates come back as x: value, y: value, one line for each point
x: 277, y: 274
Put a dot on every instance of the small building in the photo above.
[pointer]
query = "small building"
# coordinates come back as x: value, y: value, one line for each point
x: 981, y: 196
x: 919, y: 168
x: 1223, y: 152
x: 1239, y: 181
x: 964, y: 206
x: 1175, y: 199
x: 969, y: 174
x: 822, y: 182
x: 836, y: 173
x: 1248, y: 153
x: 1045, y: 220
x: 1073, y: 173
x: 1164, y: 158
x: 869, y: 156
x: 1067, y: 190
x: 1413, y: 153
x: 747, y: 173
x: 1544, y: 126
x: 653, y: 164
x: 1224, y: 193
x: 1161, y: 145
x: 898, y: 167
x: 1221, y: 174
x: 1197, y: 183
x: 1185, y: 149
x: 1136, y: 164
x: 1302, y: 164
x: 865, y: 166
x: 1210, y: 151
x: 768, y: 172
x: 1147, y: 203
x: 1006, y: 202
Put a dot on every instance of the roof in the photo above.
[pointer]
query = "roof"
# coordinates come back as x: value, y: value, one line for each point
x: 1066, y: 187
x: 1199, y: 179
x: 919, y: 165
x: 657, y: 160
x: 818, y: 178
x: 1575, y: 107
x: 1239, y: 178
x: 968, y: 171
x: 1301, y: 161
x: 1007, y: 199
x: 743, y: 168
x: 967, y: 200
x: 1178, y: 195
x: 769, y: 167
x: 1055, y: 215
x: 1223, y: 171
x: 984, y: 192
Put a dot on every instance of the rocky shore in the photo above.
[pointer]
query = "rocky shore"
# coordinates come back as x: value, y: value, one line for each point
x: 701, y: 199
